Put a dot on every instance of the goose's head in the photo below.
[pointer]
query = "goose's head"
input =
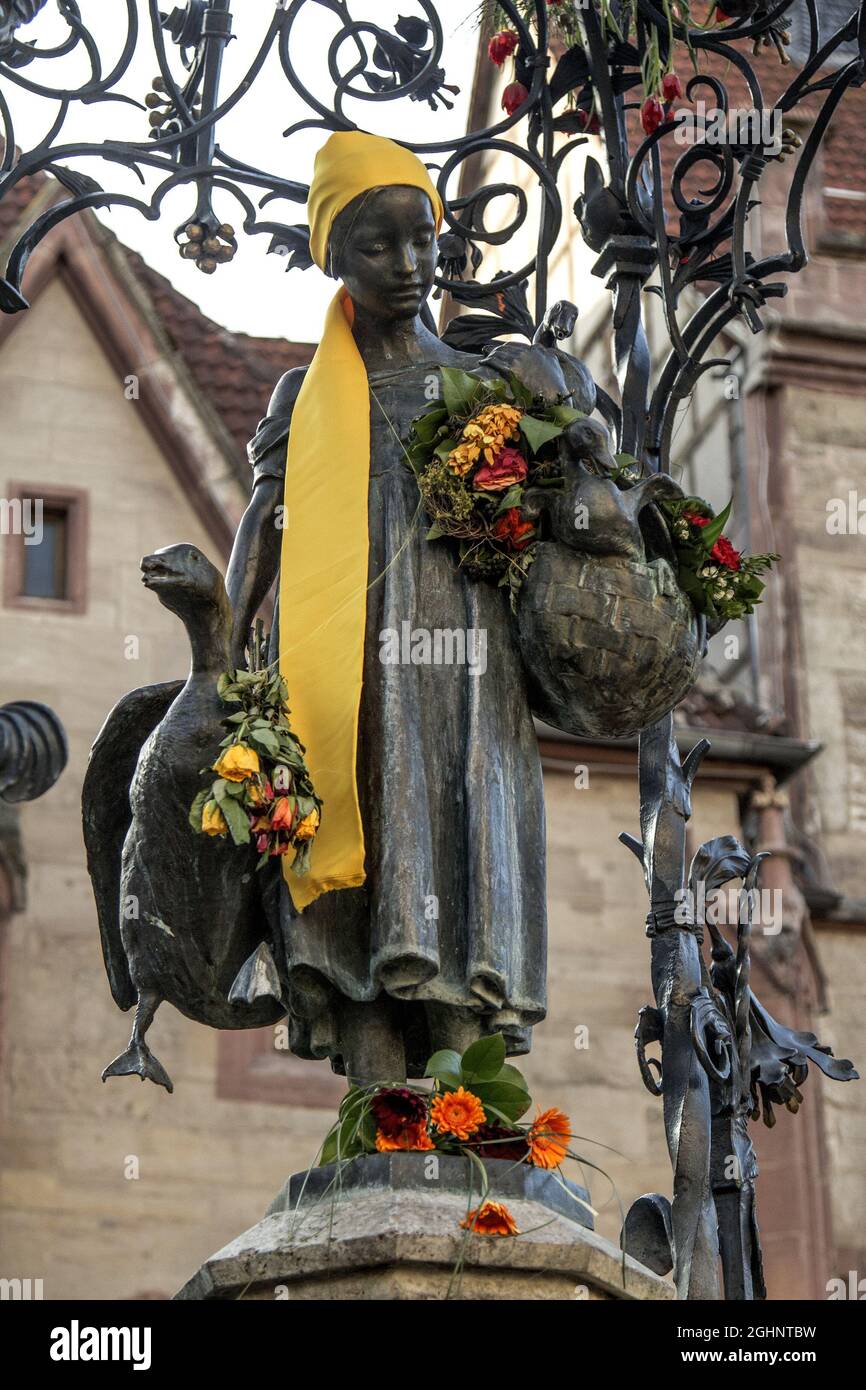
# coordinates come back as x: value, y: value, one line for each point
x: 185, y: 581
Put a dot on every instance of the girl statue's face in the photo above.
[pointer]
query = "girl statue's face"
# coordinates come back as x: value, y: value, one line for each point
x: 388, y: 259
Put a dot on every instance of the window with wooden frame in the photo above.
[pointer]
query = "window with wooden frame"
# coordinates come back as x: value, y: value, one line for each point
x: 44, y: 530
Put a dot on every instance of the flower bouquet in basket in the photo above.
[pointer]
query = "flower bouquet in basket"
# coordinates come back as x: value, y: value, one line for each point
x: 723, y: 583
x: 262, y: 791
x: 475, y: 452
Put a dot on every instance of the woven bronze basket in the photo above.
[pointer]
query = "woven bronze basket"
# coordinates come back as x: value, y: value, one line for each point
x: 611, y: 644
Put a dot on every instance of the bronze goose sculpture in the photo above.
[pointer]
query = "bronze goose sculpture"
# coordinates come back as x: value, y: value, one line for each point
x: 180, y: 915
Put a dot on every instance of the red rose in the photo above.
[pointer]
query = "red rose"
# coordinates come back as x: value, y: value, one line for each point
x: 672, y: 87
x: 262, y: 842
x: 515, y: 532
x: 695, y: 519
x: 652, y: 113
x: 508, y: 467
x: 725, y: 554
x: 513, y: 97
x: 501, y: 46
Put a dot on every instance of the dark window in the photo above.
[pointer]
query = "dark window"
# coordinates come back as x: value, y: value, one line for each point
x: 45, y: 569
x: 45, y: 547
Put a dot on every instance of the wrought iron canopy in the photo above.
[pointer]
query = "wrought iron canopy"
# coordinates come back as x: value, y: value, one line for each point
x: 608, y: 55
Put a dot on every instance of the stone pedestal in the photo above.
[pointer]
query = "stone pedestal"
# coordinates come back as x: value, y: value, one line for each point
x: 388, y: 1227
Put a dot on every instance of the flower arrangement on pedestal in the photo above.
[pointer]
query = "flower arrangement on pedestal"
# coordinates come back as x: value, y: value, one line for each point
x: 262, y: 792
x: 474, y: 1108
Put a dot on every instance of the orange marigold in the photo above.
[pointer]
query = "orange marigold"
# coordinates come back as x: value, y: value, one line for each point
x: 491, y: 1219
x: 414, y: 1138
x: 457, y: 1112
x: 548, y: 1138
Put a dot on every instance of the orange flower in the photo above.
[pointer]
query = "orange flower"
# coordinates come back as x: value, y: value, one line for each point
x: 283, y: 812
x: 414, y: 1138
x: 491, y: 1219
x: 548, y: 1138
x: 457, y: 1112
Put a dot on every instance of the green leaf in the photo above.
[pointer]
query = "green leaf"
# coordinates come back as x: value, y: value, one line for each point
x: 267, y: 739
x: 512, y: 498
x: 483, y: 1059
x: 425, y: 427
x: 444, y: 449
x: 513, y: 1076
x: 328, y: 1151
x: 435, y: 533
x: 537, y: 433
x: 197, y: 807
x: 459, y: 390
x: 444, y: 1066
x: 567, y: 414
x: 710, y: 534
x: 236, y: 820
x: 513, y: 1101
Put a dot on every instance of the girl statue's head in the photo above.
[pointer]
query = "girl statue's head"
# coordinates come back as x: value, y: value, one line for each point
x: 383, y: 247
x: 374, y: 214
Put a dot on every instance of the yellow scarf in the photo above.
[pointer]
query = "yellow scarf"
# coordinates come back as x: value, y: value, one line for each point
x: 325, y: 542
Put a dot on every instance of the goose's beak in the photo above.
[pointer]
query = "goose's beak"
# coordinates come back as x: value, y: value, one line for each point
x: 156, y: 571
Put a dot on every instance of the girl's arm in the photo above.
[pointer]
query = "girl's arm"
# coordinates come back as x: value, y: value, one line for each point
x: 255, y: 558
x: 254, y: 562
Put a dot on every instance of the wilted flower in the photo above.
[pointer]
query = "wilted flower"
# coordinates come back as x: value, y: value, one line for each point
x: 511, y: 529
x: 652, y: 113
x: 672, y: 87
x: 462, y: 458
x: 213, y: 822
x: 513, y: 97
x: 262, y: 842
x: 306, y: 829
x: 237, y: 763
x: 283, y: 812
x: 501, y: 46
x: 508, y: 467
x: 491, y: 1219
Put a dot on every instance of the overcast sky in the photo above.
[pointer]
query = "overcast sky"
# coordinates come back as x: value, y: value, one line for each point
x: 254, y: 293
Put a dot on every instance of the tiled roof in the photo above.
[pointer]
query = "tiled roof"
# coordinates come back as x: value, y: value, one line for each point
x: 234, y: 371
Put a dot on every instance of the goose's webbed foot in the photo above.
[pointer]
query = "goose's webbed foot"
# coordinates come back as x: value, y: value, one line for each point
x: 138, y: 1060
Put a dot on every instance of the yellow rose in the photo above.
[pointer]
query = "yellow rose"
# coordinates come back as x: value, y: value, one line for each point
x: 237, y: 763
x: 213, y: 822
x: 306, y: 829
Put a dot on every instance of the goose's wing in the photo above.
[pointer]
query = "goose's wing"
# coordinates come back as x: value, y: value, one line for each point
x: 107, y: 816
